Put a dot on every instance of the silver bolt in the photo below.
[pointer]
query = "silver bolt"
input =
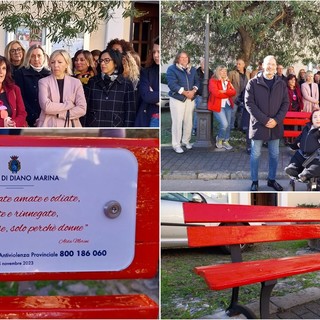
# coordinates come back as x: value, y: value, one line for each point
x: 112, y: 209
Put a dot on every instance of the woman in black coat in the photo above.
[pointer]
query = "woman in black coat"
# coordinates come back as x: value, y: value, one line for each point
x: 110, y: 96
x: 27, y: 79
x: 306, y: 144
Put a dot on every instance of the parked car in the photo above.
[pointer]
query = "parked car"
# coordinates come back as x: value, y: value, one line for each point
x: 164, y: 96
x: 173, y: 227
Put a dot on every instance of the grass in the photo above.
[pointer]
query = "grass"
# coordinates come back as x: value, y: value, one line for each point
x: 185, y: 295
x: 8, y: 288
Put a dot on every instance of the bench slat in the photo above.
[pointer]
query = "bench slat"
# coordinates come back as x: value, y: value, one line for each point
x: 298, y: 114
x: 92, y: 307
x: 203, y: 212
x: 226, y: 235
x: 237, y: 274
x: 295, y: 122
x: 291, y: 134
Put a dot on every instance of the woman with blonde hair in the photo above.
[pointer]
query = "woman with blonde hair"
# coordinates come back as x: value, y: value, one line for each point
x: 27, y: 78
x: 61, y: 96
x: 220, y: 102
x: 310, y: 93
x: 15, y: 52
x: 131, y: 69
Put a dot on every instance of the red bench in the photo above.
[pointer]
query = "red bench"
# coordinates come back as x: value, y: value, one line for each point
x: 235, y: 232
x: 295, y: 119
x: 144, y: 263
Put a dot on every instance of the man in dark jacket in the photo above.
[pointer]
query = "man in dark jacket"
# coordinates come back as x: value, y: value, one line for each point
x: 267, y: 102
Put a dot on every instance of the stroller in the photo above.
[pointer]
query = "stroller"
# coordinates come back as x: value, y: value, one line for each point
x: 313, y: 184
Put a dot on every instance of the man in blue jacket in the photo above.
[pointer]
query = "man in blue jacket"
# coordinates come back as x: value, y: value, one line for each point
x: 267, y: 102
x: 183, y: 83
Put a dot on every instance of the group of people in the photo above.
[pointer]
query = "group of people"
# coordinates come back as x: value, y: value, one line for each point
x: 92, y: 89
x: 265, y: 99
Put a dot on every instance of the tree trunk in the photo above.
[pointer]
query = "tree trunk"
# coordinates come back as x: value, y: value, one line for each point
x: 247, y: 45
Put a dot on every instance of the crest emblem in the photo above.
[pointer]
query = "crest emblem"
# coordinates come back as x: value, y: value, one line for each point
x: 14, y: 164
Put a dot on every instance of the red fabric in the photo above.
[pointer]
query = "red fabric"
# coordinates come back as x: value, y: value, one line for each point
x: 215, y: 94
x: 299, y: 97
x: 19, y: 113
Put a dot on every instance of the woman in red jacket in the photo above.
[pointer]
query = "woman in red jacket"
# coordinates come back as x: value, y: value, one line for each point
x: 13, y: 112
x: 221, y: 90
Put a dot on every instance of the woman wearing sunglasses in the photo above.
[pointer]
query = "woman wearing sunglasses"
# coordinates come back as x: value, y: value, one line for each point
x: 110, y: 96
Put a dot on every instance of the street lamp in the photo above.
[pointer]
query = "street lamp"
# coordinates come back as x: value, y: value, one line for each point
x: 204, y: 119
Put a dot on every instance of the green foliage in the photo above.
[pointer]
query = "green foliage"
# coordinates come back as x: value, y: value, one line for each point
x: 63, y: 19
x: 164, y: 78
x: 250, y: 29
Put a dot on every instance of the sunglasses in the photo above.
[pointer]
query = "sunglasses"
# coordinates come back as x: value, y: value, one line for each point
x: 106, y: 60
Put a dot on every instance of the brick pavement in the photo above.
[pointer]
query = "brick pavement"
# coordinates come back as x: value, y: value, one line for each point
x: 304, y: 304
x: 212, y: 163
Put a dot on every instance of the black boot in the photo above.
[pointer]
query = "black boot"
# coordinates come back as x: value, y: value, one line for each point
x: 254, y: 186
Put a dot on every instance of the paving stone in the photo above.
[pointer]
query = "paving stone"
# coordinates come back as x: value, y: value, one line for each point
x: 288, y: 315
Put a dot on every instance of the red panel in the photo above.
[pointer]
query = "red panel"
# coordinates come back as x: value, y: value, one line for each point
x: 146, y: 151
x: 202, y: 212
x: 226, y: 235
x: 231, y: 275
x: 294, y: 114
x: 92, y: 307
x: 289, y: 133
x: 297, y: 122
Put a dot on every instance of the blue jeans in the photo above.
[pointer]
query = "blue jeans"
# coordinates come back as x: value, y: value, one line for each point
x: 273, y: 149
x: 154, y: 122
x: 197, y: 103
x: 224, y: 119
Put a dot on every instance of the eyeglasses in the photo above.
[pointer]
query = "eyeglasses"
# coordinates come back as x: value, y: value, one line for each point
x: 106, y: 60
x: 15, y: 50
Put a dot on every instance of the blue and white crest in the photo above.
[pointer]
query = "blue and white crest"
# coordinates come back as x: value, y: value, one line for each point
x: 14, y: 164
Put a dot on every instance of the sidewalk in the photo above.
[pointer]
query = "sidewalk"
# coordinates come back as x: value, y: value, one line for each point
x: 213, y: 163
x: 217, y: 165
x: 302, y: 305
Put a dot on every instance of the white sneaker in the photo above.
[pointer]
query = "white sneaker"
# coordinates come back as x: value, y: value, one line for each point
x: 187, y: 145
x: 226, y: 145
x: 219, y: 143
x: 178, y: 150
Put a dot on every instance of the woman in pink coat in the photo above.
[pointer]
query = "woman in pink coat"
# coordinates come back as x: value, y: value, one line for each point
x: 310, y: 93
x: 61, y: 97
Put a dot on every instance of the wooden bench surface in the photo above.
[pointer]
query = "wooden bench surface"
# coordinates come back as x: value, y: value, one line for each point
x: 146, y: 258
x: 230, y: 275
x: 224, y: 276
x: 92, y: 307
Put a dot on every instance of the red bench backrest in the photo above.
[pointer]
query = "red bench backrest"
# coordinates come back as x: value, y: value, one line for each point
x: 201, y: 235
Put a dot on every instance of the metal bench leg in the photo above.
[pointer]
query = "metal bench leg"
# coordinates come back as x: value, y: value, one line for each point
x: 236, y: 309
x: 266, y: 289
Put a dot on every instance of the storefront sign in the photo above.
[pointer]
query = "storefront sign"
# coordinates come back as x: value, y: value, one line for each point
x: 67, y: 209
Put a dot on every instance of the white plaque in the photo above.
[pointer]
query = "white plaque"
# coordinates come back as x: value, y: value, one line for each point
x: 67, y: 209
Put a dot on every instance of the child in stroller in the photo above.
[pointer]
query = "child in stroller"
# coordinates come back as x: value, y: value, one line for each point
x: 305, y: 163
